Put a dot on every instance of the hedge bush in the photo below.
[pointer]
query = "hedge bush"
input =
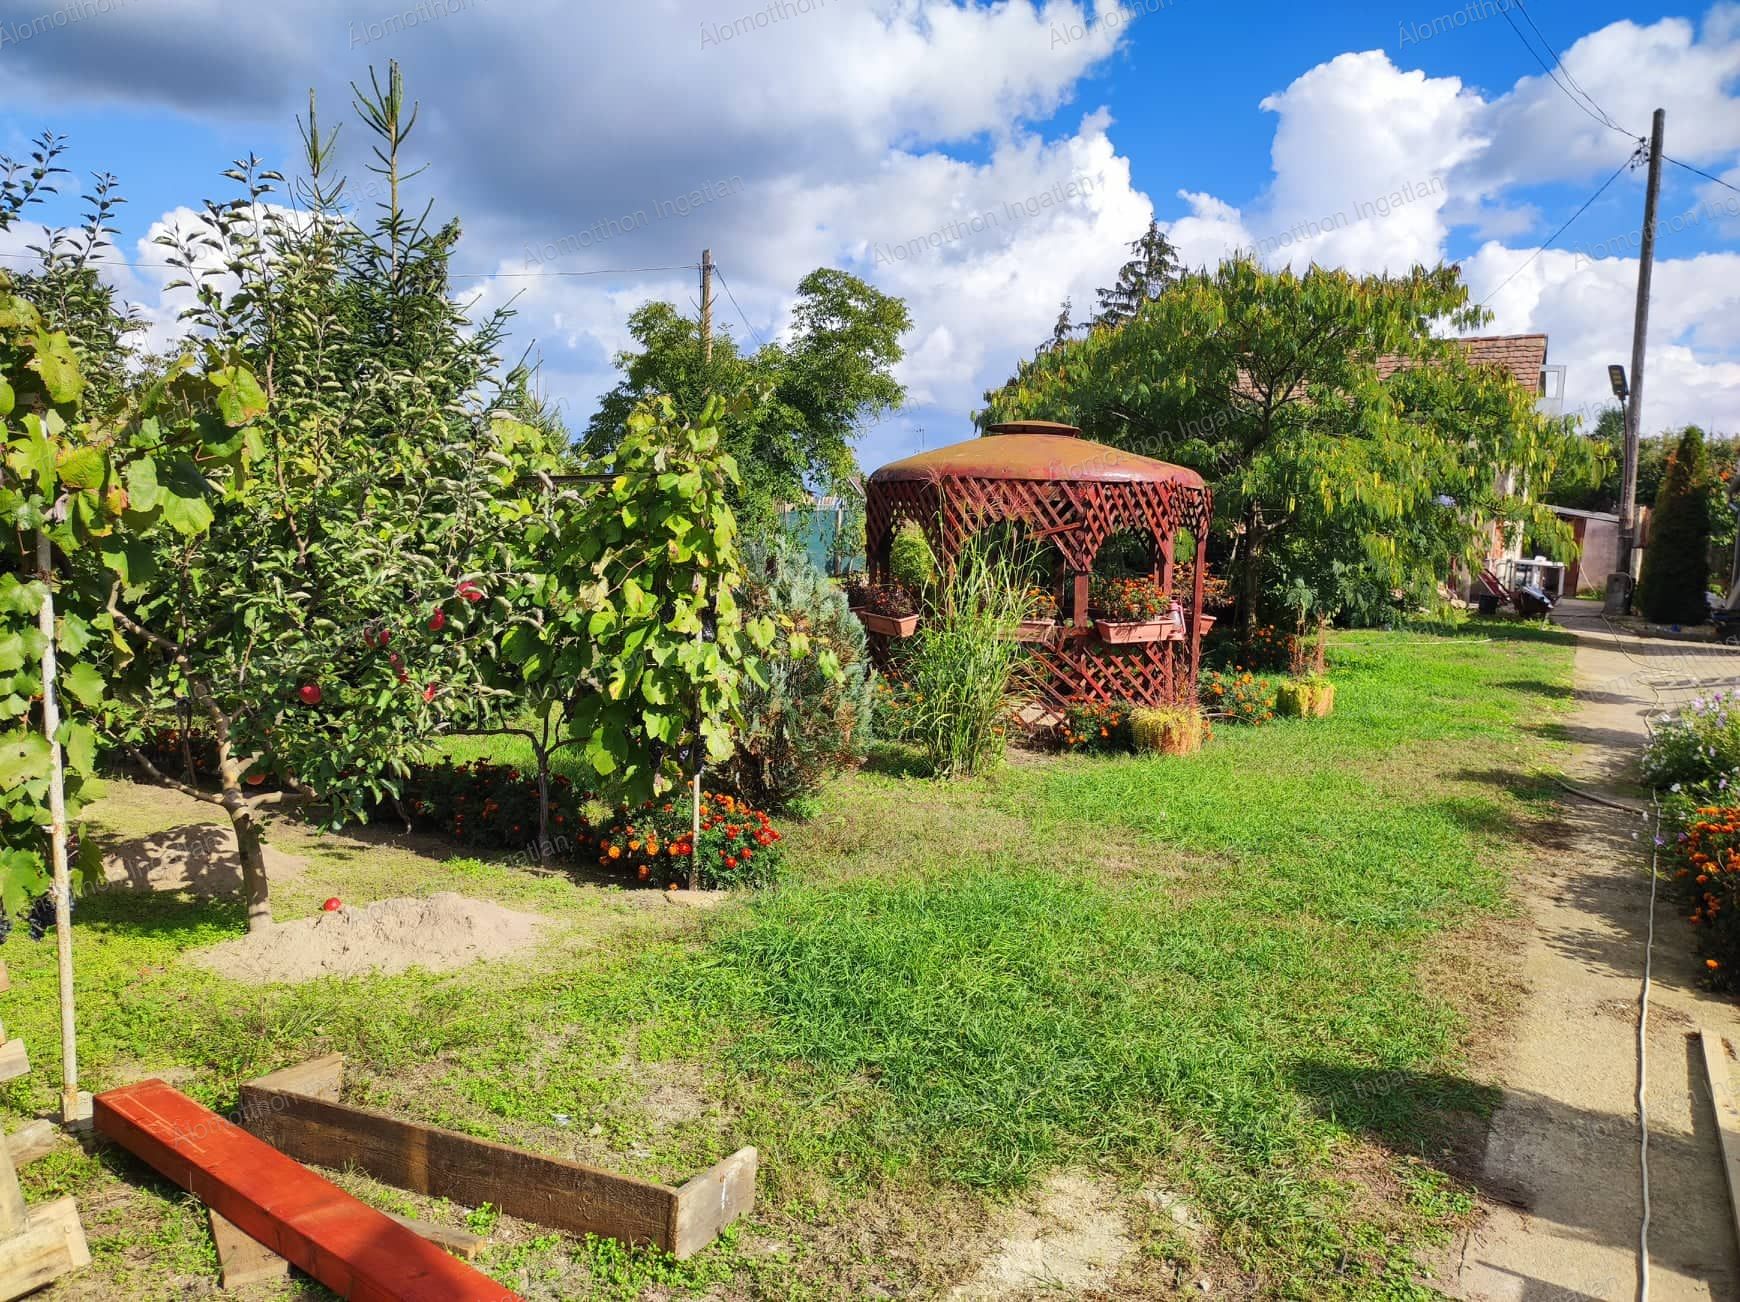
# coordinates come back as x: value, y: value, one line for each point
x: 811, y: 717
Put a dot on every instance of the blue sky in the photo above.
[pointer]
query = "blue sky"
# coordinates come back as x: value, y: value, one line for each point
x: 837, y: 128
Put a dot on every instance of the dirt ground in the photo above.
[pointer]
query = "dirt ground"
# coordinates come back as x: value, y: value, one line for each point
x: 1560, y: 1176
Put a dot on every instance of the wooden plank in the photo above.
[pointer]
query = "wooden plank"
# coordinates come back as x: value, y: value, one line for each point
x: 564, y: 1195
x: 354, y: 1250
x: 14, y: 1215
x: 712, y: 1200
x: 242, y: 1260
x: 32, y: 1140
x: 14, y: 1061
x: 5, y: 980
x: 52, y: 1245
x: 1727, y: 1115
x: 461, y: 1243
x: 318, y: 1078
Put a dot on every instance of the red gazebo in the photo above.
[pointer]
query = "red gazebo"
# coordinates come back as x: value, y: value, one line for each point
x: 1073, y: 495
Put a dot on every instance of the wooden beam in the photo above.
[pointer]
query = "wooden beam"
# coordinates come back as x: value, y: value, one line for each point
x: 32, y: 1140
x: 52, y: 1244
x: 1727, y: 1116
x: 14, y: 1061
x: 354, y: 1250
x: 568, y: 1196
x: 461, y: 1243
x: 243, y: 1261
x: 712, y: 1200
x: 563, y: 1195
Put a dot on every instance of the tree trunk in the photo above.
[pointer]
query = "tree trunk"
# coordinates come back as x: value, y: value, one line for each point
x: 1251, y: 594
x: 255, y: 888
x: 544, y: 846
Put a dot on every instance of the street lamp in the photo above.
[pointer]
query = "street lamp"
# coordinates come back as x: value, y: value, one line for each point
x: 1616, y: 377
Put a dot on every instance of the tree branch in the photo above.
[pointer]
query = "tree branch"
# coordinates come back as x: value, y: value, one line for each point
x: 163, y: 779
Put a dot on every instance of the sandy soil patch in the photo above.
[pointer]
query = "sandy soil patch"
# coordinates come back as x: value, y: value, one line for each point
x: 440, y: 933
x: 1071, y: 1241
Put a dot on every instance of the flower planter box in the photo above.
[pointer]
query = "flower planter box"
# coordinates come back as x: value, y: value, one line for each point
x: 1168, y: 628
x: 1117, y: 633
x: 1035, y: 630
x: 899, y: 626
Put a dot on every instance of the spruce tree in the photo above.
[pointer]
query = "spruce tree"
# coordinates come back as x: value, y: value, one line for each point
x: 1676, y: 564
x: 1142, y: 278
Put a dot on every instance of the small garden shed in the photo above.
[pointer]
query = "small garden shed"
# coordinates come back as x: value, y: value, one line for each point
x: 1073, y: 495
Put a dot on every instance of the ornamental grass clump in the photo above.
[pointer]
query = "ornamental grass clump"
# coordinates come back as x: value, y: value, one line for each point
x: 1699, y: 746
x: 1168, y: 730
x: 964, y: 666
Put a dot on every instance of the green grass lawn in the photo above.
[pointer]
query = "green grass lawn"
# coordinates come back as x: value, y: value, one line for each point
x: 1245, y: 977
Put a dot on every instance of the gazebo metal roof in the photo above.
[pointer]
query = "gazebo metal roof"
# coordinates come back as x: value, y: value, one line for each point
x: 1035, y: 450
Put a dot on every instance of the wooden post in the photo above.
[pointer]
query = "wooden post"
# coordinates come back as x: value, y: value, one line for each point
x: 1081, y: 600
x: 706, y: 305
x: 69, y: 1054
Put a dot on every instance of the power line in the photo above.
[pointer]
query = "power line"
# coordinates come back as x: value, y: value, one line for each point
x: 1555, y: 235
x: 1701, y: 172
x: 740, y: 314
x: 1595, y: 113
x: 1605, y: 118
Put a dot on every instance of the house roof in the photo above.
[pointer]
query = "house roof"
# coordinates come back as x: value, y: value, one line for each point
x: 1522, y: 355
x: 1057, y: 454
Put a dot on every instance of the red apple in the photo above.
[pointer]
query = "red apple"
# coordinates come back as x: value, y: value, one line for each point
x: 469, y: 590
x: 333, y: 905
x: 429, y: 692
x: 310, y: 693
x: 438, y: 620
x: 383, y: 637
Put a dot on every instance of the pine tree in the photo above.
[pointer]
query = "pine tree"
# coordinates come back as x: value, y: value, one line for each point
x: 1676, y: 564
x: 1060, y: 333
x: 1141, y: 279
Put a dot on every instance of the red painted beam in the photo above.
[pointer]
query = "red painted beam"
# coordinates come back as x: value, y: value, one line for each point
x: 354, y: 1250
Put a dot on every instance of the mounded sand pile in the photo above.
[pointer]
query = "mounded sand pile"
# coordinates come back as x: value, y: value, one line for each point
x: 442, y: 932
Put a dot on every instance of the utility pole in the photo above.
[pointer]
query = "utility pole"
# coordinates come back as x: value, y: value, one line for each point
x: 706, y: 305
x: 1639, y: 335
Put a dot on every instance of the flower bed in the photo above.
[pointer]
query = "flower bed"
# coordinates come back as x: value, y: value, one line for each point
x: 1700, y: 745
x: 1096, y: 726
x: 1237, y: 697
x: 1709, y: 873
x: 495, y: 806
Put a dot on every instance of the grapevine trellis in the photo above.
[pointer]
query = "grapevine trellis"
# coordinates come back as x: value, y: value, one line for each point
x: 1074, y: 495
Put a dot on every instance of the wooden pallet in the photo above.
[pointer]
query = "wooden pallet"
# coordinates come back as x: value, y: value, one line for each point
x: 298, y: 1111
x: 37, y: 1244
x: 356, y: 1251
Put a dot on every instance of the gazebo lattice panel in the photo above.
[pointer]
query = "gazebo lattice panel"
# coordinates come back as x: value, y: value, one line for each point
x: 1075, y: 495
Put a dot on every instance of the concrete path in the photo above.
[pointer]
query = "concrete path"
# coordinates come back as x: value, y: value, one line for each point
x: 1560, y: 1171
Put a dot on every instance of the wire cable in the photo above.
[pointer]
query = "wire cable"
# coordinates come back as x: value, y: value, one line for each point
x: 1555, y: 235
x: 740, y: 313
x: 1701, y: 172
x: 1593, y: 109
